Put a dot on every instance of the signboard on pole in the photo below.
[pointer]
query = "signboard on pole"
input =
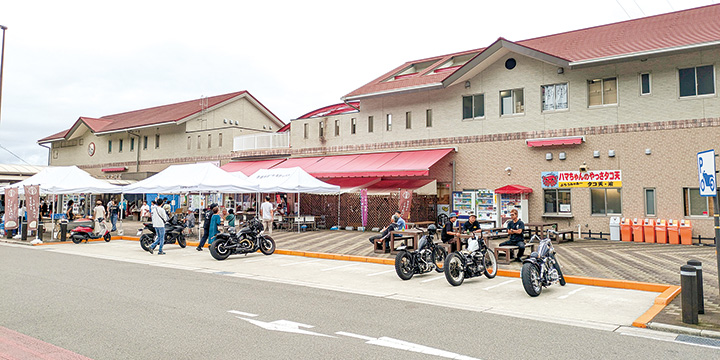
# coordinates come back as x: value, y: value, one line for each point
x: 706, y: 172
x: 32, y: 205
x: 11, y: 208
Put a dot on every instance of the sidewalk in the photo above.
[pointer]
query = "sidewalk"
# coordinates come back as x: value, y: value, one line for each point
x: 653, y: 263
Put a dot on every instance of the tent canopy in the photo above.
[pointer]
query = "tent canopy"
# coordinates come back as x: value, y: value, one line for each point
x: 192, y: 178
x: 291, y: 180
x: 514, y: 189
x: 67, y: 180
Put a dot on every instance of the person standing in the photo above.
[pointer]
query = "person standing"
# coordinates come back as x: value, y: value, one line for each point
x: 207, y: 216
x: 144, y: 211
x: 190, y: 221
x: 230, y: 218
x: 266, y: 214
x: 98, y: 213
x: 70, y: 214
x: 215, y: 222
x: 167, y: 207
x: 114, y: 211
x: 159, y: 218
x: 515, y: 227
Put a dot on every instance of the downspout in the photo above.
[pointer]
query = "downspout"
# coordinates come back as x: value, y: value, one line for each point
x: 137, y: 159
x: 453, y: 178
x: 49, y: 152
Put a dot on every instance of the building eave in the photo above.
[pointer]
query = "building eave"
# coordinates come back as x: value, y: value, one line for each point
x: 642, y: 54
x: 405, y: 90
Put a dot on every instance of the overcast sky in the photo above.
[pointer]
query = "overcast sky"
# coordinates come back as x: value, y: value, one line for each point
x: 66, y: 59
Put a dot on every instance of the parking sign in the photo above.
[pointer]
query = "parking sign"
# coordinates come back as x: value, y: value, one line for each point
x: 706, y: 172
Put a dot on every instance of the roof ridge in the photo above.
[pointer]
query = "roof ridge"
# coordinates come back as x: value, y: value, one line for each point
x: 237, y: 93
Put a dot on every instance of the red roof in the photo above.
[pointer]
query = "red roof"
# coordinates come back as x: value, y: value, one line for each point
x: 665, y: 31
x: 151, y: 116
x: 331, y: 110
x: 570, y: 140
x: 514, y: 189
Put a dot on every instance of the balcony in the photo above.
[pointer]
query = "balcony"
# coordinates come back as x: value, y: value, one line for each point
x: 262, y: 141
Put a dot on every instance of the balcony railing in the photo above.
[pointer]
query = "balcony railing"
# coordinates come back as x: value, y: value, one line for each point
x: 261, y: 141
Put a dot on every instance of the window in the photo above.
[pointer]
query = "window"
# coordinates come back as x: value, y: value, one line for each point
x: 109, y: 146
x: 189, y: 142
x: 428, y: 118
x: 55, y: 154
x: 132, y: 144
x: 120, y: 145
x: 220, y: 140
x: 209, y: 141
x: 408, y: 120
x: 157, y: 141
x: 371, y: 123
x: 337, y: 127
x: 306, y: 127
x: 554, y: 97
x: 144, y: 142
x: 473, y: 106
x: 388, y: 122
x: 198, y: 142
x: 605, y: 201
x: 650, y: 202
x: 557, y: 201
x: 512, y: 102
x: 353, y: 125
x: 697, y: 81
x: 322, y: 129
x: 645, y: 84
x: 695, y: 205
x: 602, y: 91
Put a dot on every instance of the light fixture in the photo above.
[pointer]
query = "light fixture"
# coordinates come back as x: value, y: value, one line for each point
x: 596, y: 154
x: 224, y: 121
x: 647, y: 151
x: 548, y: 156
x: 264, y: 127
x: 236, y: 122
x: 508, y: 170
x: 561, y: 156
x: 467, y: 84
x: 560, y: 70
x: 611, y: 153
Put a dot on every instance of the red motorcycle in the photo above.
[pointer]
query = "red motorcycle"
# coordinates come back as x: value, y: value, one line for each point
x: 80, y: 233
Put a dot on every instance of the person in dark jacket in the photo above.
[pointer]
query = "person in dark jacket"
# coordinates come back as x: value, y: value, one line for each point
x: 207, y: 216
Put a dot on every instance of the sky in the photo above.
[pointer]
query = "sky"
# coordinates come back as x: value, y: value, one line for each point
x: 66, y: 59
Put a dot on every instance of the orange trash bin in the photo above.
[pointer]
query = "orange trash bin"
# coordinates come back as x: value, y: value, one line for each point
x: 661, y: 232
x: 637, y: 230
x: 672, y: 231
x: 685, y: 232
x: 625, y: 230
x: 649, y: 230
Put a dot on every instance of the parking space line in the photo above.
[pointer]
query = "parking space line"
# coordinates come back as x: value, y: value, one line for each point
x: 382, y: 272
x: 242, y: 313
x: 571, y: 293
x: 301, y: 262
x: 433, y: 279
x: 339, y: 267
x: 500, y: 284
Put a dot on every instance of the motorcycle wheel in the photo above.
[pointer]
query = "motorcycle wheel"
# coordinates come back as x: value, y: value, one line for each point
x: 454, y: 269
x: 267, y: 245
x: 439, y: 255
x: 107, y: 237
x: 490, y: 264
x: 403, y: 265
x: 76, y: 239
x: 556, y: 264
x: 218, y: 250
x: 145, y: 241
x: 181, y: 241
x: 531, y: 279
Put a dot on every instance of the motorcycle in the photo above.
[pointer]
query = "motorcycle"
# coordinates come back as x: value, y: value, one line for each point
x: 173, y: 233
x: 248, y: 239
x: 476, y: 260
x: 427, y: 257
x: 80, y: 233
x: 541, y: 269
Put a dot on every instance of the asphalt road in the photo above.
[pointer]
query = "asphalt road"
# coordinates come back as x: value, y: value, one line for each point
x: 106, y: 309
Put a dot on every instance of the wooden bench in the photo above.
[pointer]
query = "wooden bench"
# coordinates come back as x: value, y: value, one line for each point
x: 508, y: 252
x: 379, y: 246
x: 562, y: 236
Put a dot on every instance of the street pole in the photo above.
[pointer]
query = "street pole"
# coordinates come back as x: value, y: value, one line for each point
x: 717, y: 230
x: 2, y: 65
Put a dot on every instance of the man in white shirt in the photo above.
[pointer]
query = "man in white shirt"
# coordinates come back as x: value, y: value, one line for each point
x: 159, y: 218
x: 98, y: 212
x: 266, y: 214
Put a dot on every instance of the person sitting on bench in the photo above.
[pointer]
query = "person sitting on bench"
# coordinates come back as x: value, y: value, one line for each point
x: 472, y: 225
x: 396, y: 224
x: 515, y: 229
x: 447, y: 233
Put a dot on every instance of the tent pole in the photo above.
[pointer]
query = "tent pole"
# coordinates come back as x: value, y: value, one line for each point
x: 338, y: 213
x: 298, y: 202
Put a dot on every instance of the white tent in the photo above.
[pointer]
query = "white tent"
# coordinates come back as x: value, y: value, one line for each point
x: 291, y: 180
x: 67, y: 180
x: 192, y: 178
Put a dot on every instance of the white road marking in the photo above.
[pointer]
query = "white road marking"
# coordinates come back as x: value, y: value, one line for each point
x: 242, y: 313
x: 500, y: 284
x: 301, y: 262
x: 382, y: 272
x: 407, y: 346
x: 339, y: 267
x: 433, y: 279
x: 361, y: 337
x: 285, y: 326
x: 571, y: 293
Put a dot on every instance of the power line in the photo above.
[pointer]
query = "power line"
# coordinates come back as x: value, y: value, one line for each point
x: 623, y: 8
x: 638, y: 6
x: 671, y: 7
x: 13, y: 154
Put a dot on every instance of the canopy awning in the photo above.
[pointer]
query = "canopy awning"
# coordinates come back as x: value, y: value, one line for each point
x: 250, y: 167
x: 514, y: 189
x: 556, y: 141
x: 114, y: 169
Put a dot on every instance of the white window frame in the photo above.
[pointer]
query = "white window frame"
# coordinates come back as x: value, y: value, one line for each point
x: 408, y: 120
x: 555, y: 109
x: 353, y: 125
x: 371, y: 124
x: 557, y: 204
x: 306, y: 130
x: 602, y: 92
x: 649, y: 83
x: 513, y: 93
x: 686, y: 197
x: 472, y: 98
x: 606, y: 204
x: 337, y: 127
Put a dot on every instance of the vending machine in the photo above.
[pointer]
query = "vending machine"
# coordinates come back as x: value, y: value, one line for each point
x: 463, y: 203
x: 512, y: 201
x: 485, y: 205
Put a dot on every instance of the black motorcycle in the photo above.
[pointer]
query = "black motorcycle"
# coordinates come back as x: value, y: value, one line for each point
x: 541, y: 269
x: 248, y: 239
x: 476, y: 260
x: 173, y: 233
x: 427, y: 257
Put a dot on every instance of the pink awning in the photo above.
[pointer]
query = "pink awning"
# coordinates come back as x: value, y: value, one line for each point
x: 114, y: 169
x: 569, y: 140
x: 514, y: 189
x: 250, y: 167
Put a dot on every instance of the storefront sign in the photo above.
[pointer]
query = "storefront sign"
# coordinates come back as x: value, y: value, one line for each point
x: 11, y: 208
x: 588, y: 179
x: 32, y: 205
x: 364, y: 206
x: 404, y: 203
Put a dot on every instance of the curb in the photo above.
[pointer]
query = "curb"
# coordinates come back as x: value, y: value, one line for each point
x: 684, y: 330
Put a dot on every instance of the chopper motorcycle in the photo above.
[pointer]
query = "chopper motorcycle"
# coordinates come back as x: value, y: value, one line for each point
x: 541, y: 269
x: 250, y: 238
x: 427, y: 257
x: 173, y: 233
x: 474, y: 261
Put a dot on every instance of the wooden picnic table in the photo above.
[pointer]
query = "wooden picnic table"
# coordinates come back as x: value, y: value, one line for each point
x: 412, y: 235
x: 539, y: 228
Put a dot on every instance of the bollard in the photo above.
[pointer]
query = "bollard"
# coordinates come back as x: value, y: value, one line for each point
x: 688, y: 282
x: 700, y: 296
x: 39, y: 231
x: 63, y: 231
x: 23, y: 231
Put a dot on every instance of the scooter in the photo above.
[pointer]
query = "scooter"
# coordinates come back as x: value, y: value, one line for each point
x: 80, y: 233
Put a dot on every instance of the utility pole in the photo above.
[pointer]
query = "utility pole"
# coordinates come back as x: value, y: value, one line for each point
x: 2, y: 65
